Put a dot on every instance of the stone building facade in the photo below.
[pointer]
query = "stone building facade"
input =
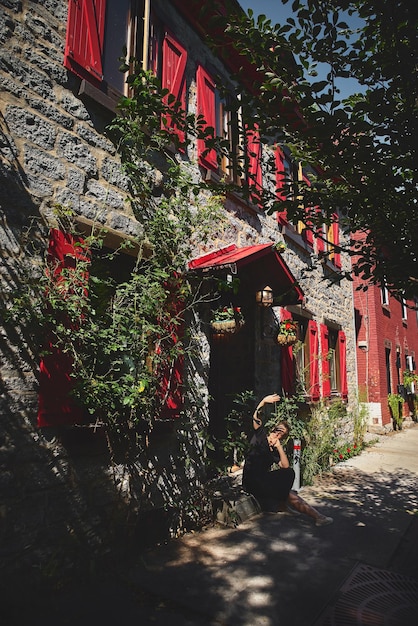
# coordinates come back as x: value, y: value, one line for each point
x: 59, y: 491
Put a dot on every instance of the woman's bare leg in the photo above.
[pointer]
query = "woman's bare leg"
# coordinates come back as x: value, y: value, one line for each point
x: 300, y: 505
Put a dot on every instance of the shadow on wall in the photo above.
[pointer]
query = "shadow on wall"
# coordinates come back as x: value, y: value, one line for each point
x: 65, y: 503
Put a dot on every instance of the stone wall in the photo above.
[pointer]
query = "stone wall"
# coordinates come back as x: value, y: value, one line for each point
x: 60, y: 494
x: 63, y: 502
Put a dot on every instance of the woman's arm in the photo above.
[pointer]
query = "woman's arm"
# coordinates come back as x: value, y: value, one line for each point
x: 274, y: 397
x: 284, y: 461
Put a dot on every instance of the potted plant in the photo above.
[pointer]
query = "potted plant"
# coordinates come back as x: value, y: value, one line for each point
x: 227, y: 320
x: 287, y: 333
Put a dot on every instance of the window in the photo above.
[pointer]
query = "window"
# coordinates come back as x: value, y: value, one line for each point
x: 328, y: 241
x: 306, y: 358
x: 384, y: 295
x: 288, y: 174
x: 302, y: 226
x: 221, y: 113
x: 99, y: 32
x: 228, y: 115
x: 71, y: 269
x: 409, y: 362
x: 388, y: 372
x: 404, y: 309
x: 333, y: 362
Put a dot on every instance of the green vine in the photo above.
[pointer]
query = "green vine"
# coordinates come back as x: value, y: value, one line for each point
x: 395, y: 403
x: 125, y: 333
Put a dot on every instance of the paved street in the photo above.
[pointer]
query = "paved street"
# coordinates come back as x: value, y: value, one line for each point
x: 276, y: 570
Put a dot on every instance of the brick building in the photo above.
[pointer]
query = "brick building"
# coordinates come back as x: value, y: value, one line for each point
x: 60, y: 85
x: 387, y: 343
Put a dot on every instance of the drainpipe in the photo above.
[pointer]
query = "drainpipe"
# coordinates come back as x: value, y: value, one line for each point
x: 145, y: 44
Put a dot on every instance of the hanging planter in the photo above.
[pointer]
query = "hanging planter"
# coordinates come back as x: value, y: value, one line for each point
x: 287, y: 334
x: 226, y: 321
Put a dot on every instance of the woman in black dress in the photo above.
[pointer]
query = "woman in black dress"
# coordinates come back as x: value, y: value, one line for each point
x: 273, y: 487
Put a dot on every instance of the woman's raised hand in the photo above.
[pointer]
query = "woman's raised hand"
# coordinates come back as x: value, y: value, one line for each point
x: 274, y: 397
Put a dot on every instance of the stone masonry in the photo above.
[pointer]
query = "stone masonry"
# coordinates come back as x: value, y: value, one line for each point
x: 59, y: 494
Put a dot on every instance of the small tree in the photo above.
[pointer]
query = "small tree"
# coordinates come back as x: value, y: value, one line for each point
x: 364, y: 148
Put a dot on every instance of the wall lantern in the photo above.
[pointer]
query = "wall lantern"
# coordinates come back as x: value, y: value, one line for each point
x: 264, y: 297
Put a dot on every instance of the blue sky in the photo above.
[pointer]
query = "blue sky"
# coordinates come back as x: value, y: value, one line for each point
x: 273, y: 9
x: 278, y: 13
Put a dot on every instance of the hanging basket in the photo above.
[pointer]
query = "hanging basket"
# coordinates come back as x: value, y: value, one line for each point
x: 287, y: 333
x: 225, y: 328
x: 286, y: 340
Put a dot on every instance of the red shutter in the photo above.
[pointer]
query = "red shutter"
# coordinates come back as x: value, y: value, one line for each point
x: 171, y: 383
x: 342, y: 353
x: 326, y: 383
x: 171, y: 373
x: 313, y: 361
x: 85, y: 35
x: 307, y: 232
x: 280, y: 175
x: 287, y: 362
x: 336, y: 240
x: 56, y: 407
x: 320, y: 244
x: 254, y: 152
x: 206, y: 108
x: 174, y: 75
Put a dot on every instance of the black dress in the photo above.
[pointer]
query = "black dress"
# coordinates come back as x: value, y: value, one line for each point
x: 269, y: 487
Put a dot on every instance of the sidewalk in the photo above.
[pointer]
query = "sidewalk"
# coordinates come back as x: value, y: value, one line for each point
x: 280, y: 570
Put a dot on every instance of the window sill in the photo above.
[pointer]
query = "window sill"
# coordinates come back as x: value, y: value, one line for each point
x: 296, y: 238
x: 107, y: 97
x: 329, y: 267
x: 210, y: 176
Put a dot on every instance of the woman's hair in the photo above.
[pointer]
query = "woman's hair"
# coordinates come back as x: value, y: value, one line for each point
x: 277, y: 428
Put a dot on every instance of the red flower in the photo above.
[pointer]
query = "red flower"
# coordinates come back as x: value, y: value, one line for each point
x: 348, y: 450
x: 341, y: 456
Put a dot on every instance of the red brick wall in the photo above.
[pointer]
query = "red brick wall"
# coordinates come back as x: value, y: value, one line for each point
x: 382, y: 326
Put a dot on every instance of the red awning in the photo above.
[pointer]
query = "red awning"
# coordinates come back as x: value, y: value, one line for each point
x: 257, y: 266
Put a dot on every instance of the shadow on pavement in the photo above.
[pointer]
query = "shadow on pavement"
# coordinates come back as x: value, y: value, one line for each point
x: 272, y: 570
